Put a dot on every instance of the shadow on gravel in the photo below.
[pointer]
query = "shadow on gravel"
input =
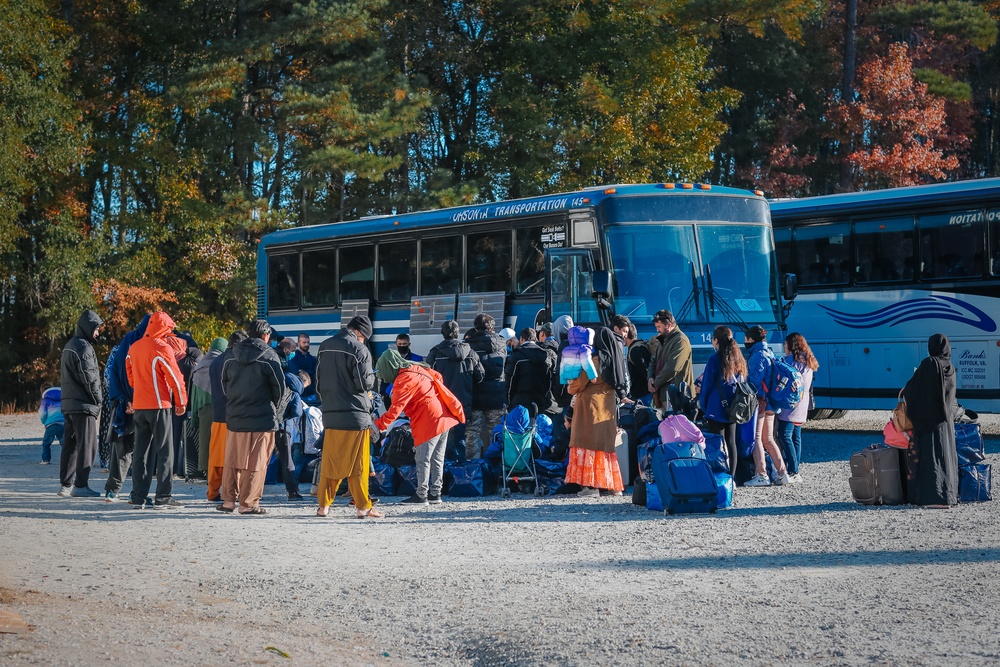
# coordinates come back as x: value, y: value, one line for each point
x: 828, y: 559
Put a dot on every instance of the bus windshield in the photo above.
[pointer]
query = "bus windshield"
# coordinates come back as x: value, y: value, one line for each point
x: 658, y: 266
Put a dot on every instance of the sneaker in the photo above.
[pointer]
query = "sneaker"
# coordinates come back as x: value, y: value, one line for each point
x: 782, y: 480
x: 295, y: 496
x: 166, y: 503
x: 138, y: 505
x: 795, y: 479
x: 110, y: 497
x: 414, y: 500
x: 433, y: 500
x: 607, y: 493
x: 45, y: 463
x: 65, y: 491
x: 587, y: 492
x: 84, y: 492
x: 759, y: 480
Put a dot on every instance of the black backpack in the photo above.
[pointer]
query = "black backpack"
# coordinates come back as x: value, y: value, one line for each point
x: 742, y: 405
x: 397, y: 450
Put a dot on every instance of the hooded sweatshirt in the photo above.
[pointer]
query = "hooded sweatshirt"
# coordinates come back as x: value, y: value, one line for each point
x: 254, y: 387
x: 118, y: 387
x: 491, y: 393
x: 79, y: 374
x: 151, y: 367
x: 419, y: 393
x: 459, y: 366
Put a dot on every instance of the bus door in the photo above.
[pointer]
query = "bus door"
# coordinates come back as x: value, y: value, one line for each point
x: 568, y: 286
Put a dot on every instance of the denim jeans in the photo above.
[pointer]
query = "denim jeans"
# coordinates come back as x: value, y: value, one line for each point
x: 791, y: 445
x: 52, y: 432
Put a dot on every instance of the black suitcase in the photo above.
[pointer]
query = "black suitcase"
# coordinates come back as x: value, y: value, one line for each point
x: 877, y: 476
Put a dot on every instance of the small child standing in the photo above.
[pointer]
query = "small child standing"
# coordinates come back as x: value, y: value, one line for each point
x: 50, y: 412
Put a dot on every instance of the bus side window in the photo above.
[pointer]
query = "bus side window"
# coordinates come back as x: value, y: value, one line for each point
x: 397, y: 271
x: 441, y: 265
x: 882, y: 246
x: 823, y: 251
x: 318, y: 269
x: 283, y: 281
x: 357, y: 272
x: 530, y: 261
x: 951, y: 245
x: 489, y: 262
x: 994, y: 218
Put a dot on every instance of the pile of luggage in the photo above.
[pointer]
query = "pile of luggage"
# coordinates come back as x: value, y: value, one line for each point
x: 878, y: 473
x: 680, y: 469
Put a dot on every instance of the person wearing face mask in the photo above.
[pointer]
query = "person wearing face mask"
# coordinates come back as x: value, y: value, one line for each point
x: 286, y: 352
x: 759, y: 371
x: 80, y: 377
x: 722, y: 371
x: 403, y: 347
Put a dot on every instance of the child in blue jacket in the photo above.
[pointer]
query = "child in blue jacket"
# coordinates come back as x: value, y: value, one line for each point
x: 50, y: 413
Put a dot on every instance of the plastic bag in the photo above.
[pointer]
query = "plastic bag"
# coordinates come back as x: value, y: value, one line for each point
x: 716, y: 452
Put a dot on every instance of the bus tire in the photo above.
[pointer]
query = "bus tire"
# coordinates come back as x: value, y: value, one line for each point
x: 837, y: 414
x: 821, y: 413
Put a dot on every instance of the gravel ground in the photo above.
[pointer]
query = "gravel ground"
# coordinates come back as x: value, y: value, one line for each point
x: 788, y: 576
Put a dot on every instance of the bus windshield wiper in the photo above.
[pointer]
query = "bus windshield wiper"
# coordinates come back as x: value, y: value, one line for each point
x: 693, y: 298
x: 718, y: 302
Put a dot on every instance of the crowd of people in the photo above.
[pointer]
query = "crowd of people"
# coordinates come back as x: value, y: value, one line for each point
x: 171, y: 410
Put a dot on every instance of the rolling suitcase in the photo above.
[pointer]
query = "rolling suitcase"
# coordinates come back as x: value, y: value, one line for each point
x: 686, y: 485
x: 622, y: 451
x: 876, y: 476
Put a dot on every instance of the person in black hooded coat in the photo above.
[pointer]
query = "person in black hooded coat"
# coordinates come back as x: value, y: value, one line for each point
x: 932, y: 461
x: 81, y: 404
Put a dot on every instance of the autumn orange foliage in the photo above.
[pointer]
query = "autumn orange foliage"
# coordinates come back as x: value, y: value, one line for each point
x: 897, y: 126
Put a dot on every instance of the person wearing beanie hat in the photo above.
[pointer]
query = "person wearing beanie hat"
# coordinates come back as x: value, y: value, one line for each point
x: 344, y: 382
x: 490, y: 395
x: 461, y: 369
x: 362, y: 325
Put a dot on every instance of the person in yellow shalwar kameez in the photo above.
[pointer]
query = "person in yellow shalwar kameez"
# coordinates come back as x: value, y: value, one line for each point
x: 344, y: 381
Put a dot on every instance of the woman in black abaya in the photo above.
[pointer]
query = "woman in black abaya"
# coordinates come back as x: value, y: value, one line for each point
x: 932, y: 462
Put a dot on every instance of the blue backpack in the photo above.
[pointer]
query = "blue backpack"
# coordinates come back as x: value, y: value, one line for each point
x: 786, y: 388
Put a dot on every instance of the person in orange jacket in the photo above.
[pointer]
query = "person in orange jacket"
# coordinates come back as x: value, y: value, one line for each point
x: 158, y: 387
x: 420, y: 394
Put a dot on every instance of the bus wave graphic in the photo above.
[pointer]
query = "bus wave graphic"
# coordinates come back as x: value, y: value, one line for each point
x: 933, y: 307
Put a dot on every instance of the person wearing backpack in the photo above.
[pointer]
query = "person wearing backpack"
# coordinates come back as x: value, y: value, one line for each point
x: 723, y: 371
x: 760, y: 370
x: 790, y: 421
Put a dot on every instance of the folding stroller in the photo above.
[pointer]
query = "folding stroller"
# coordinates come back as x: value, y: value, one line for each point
x: 517, y: 462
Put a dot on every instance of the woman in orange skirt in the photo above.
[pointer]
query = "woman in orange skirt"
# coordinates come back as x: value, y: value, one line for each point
x: 593, y: 463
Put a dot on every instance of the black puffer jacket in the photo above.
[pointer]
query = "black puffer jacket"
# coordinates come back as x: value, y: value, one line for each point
x: 459, y: 366
x: 344, y: 377
x: 254, y: 387
x: 529, y: 370
x: 79, y: 373
x: 491, y: 393
x: 218, y: 394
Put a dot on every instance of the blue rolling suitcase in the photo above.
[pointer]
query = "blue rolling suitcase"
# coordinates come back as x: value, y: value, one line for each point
x: 686, y: 485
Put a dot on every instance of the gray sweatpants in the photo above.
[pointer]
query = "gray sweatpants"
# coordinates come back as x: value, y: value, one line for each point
x: 153, y: 452
x: 430, y: 465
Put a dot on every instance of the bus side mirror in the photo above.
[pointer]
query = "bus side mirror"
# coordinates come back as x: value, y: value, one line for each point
x: 790, y: 286
x: 600, y: 284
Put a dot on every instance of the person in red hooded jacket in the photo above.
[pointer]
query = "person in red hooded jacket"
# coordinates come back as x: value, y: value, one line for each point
x: 433, y: 410
x: 158, y: 387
